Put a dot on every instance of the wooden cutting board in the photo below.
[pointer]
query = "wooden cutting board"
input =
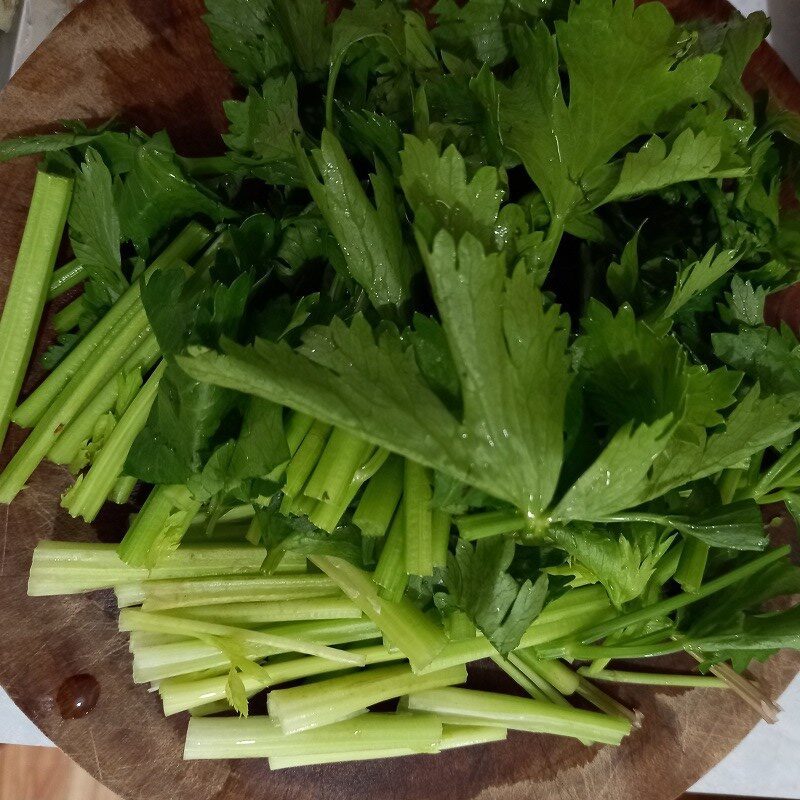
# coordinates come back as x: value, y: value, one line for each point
x: 150, y: 62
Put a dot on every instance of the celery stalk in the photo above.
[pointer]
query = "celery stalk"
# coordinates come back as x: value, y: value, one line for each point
x: 489, y: 523
x: 335, y: 699
x: 390, y: 571
x: 122, y: 490
x: 402, y: 623
x: 69, y: 316
x: 380, y: 499
x: 30, y: 281
x: 692, y: 565
x: 417, y: 495
x: 333, y: 473
x: 305, y: 458
x: 655, y: 678
x: 65, y: 278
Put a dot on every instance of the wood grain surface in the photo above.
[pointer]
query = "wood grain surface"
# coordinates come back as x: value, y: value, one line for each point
x: 150, y: 62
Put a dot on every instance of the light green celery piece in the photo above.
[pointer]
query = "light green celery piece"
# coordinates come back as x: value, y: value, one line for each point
x: 132, y: 620
x: 266, y: 612
x: 69, y: 316
x: 30, y: 282
x: 179, y: 694
x: 390, y: 571
x: 333, y: 474
x: 297, y: 426
x: 322, y: 703
x: 193, y: 237
x: 692, y: 565
x: 70, y: 567
x: 440, y: 537
x: 554, y: 672
x: 454, y: 736
x: 169, y: 660
x: 122, y: 490
x: 402, y: 623
x: 216, y: 590
x: 520, y: 713
x: 380, y: 499
x: 305, y: 458
x: 489, y: 523
x: 520, y: 678
x: 417, y: 493
x: 105, y: 362
x: 210, y: 709
x: 262, y: 737
x: 655, y: 678
x: 66, y: 278
x: 159, y: 527
x: 87, y: 496
x: 139, y: 639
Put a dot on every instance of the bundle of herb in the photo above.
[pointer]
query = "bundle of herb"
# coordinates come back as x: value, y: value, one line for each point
x: 460, y: 345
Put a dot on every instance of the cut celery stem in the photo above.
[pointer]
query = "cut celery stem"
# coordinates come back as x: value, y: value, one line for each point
x: 333, y: 473
x: 179, y: 694
x: 519, y: 713
x: 335, y: 699
x: 418, y: 537
x: 263, y: 613
x: 122, y: 490
x: 380, y: 499
x: 590, y: 652
x: 188, y: 657
x: 489, y: 523
x: 159, y: 527
x: 169, y: 594
x: 655, y: 678
x: 554, y: 672
x: 186, y: 245
x: 665, y: 607
x: 692, y: 565
x: 262, y: 737
x: 66, y: 278
x: 305, y: 458
x: 87, y: 496
x: 69, y: 316
x: 454, y: 736
x: 30, y: 281
x: 440, y: 537
x: 390, y: 571
x: 402, y: 623
x: 459, y: 626
x: 134, y: 620
x: 520, y: 678
x: 69, y: 403
x: 297, y: 427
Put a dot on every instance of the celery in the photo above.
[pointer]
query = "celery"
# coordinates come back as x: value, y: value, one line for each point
x: 381, y: 497
x: 333, y: 473
x: 519, y: 677
x: 297, y: 427
x: 305, y: 458
x: 489, y: 523
x: 454, y: 736
x: 656, y: 678
x: 179, y: 694
x: 122, y: 490
x: 262, y: 737
x: 160, y: 595
x: 66, y: 278
x: 402, y: 623
x: 519, y: 713
x: 87, y: 496
x: 134, y: 620
x: 417, y: 495
x: 692, y: 565
x: 159, y: 526
x: 69, y: 316
x: 335, y: 699
x: 29, y: 413
x: 390, y: 572
x: 440, y: 537
x: 264, y: 612
x: 30, y: 280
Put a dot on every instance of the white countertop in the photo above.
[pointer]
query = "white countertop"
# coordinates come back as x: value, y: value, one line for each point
x: 744, y: 771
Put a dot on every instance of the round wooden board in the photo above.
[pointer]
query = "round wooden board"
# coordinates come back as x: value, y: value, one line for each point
x: 150, y: 62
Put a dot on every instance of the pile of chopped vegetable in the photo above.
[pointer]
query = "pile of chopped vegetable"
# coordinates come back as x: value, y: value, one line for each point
x: 458, y: 351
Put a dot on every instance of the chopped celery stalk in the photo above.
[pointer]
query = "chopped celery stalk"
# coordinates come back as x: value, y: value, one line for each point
x: 467, y: 735
x: 390, y: 571
x: 402, y: 623
x: 692, y: 565
x: 122, y: 490
x: 30, y: 281
x: 69, y: 316
x: 187, y: 657
x: 161, y: 595
x: 179, y: 694
x: 520, y: 713
x: 297, y: 427
x: 209, y: 709
x: 67, y: 446
x: 440, y: 537
x: 139, y: 639
x: 459, y: 626
x: 305, y: 458
x: 489, y: 523
x: 417, y: 493
x: 263, y: 613
x: 342, y: 456
x: 377, y: 505
x: 185, y: 246
x: 103, y: 363
x: 520, y: 678
x: 66, y: 278
x: 159, y: 527
x: 325, y: 702
x: 655, y: 678
x: 554, y: 672
x: 544, y: 686
x: 133, y: 620
x: 664, y: 607
x: 87, y: 496
x: 262, y: 737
